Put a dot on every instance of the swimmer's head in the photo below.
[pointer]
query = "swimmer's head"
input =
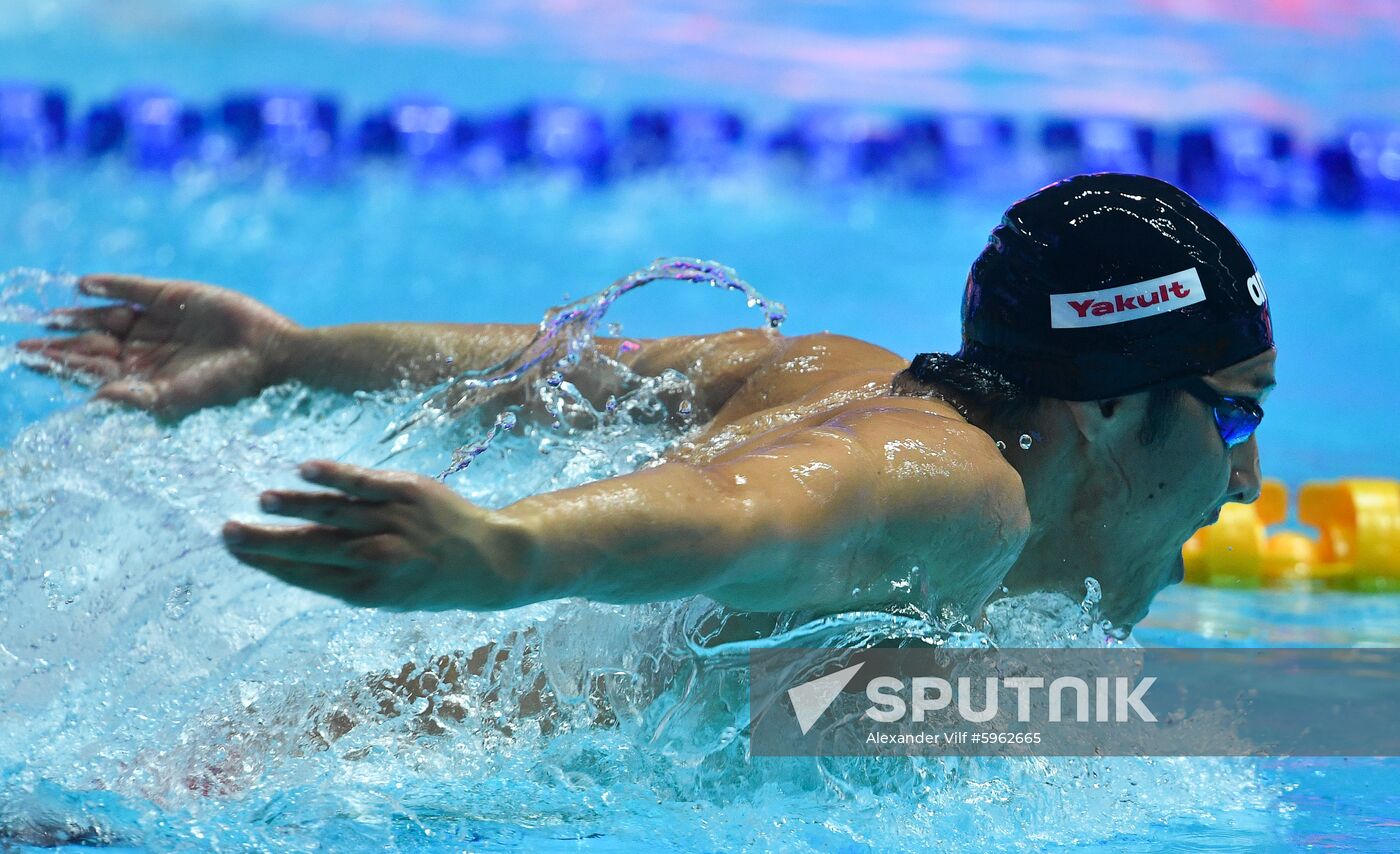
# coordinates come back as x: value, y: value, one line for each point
x: 1103, y: 319
x: 1106, y: 284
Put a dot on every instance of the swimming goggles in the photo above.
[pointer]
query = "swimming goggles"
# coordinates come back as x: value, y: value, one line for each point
x: 1235, y: 417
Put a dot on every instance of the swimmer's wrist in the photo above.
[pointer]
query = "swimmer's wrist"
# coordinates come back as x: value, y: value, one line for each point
x: 283, y: 351
x: 519, y: 549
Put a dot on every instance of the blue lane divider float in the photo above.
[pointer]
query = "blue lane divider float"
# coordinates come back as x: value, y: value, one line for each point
x: 33, y: 122
x: 1230, y: 161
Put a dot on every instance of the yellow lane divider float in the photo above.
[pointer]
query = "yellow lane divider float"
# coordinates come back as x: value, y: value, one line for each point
x: 1357, y: 546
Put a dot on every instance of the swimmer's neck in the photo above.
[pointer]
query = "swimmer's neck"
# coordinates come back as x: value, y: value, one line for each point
x: 1052, y: 475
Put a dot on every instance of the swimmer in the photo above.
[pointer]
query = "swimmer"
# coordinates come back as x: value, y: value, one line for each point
x: 1116, y: 351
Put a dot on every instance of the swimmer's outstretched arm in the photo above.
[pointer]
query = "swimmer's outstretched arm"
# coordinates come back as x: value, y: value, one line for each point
x: 844, y: 515
x: 173, y: 347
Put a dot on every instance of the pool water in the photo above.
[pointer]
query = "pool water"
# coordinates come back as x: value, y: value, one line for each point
x: 155, y: 694
x: 159, y: 694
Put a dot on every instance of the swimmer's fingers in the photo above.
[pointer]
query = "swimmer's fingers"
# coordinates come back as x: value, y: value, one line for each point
x: 87, y: 344
x: 370, y: 484
x: 132, y: 392
x: 316, y: 544
x: 137, y: 289
x: 85, y: 370
x: 115, y: 319
x: 329, y: 508
x: 357, y: 587
x: 61, y: 361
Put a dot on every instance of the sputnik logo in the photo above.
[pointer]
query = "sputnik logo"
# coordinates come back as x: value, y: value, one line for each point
x: 810, y: 699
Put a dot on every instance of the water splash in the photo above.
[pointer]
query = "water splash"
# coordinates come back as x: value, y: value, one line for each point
x: 27, y: 295
x: 159, y: 694
x: 563, y: 344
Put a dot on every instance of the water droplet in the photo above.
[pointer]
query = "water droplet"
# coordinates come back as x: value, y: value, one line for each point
x: 556, y: 424
x: 1025, y: 441
x: 611, y: 405
x: 506, y: 420
x: 555, y: 378
x: 614, y: 328
x: 59, y: 599
x: 177, y: 604
x: 1093, y: 594
x: 684, y: 408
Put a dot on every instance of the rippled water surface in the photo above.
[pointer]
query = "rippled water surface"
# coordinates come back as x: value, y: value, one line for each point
x: 154, y: 693
x: 159, y: 692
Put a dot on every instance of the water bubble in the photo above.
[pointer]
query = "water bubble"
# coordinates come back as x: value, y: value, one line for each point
x: 59, y: 599
x: 1001, y: 446
x: 1025, y: 441
x: 614, y: 328
x: 506, y: 421
x: 555, y: 378
x: 611, y: 405
x: 177, y: 604
x: 684, y: 408
x: 1093, y: 594
x: 556, y: 424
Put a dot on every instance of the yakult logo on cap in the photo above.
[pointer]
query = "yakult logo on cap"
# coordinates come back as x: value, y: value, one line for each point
x: 1128, y: 302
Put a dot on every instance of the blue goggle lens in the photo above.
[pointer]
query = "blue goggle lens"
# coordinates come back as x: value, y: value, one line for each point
x: 1236, y: 423
x: 1236, y: 418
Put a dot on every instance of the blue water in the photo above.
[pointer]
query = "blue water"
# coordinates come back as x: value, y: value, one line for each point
x: 154, y: 693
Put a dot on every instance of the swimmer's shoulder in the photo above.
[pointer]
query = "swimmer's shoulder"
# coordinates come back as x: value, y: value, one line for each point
x: 935, y: 465
x: 813, y: 369
x: 760, y: 351
x: 838, y: 353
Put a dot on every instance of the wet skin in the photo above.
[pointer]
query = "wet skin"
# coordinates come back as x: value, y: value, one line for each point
x: 813, y: 486
x: 1106, y: 505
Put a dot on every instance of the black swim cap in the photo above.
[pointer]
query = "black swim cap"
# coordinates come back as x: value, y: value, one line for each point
x: 1103, y: 285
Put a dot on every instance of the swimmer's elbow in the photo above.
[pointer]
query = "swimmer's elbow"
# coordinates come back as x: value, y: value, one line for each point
x: 1007, y: 513
x: 974, y: 507
x: 991, y: 531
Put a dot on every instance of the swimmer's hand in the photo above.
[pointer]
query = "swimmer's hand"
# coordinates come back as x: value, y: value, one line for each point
x: 386, y: 539
x: 169, y: 347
